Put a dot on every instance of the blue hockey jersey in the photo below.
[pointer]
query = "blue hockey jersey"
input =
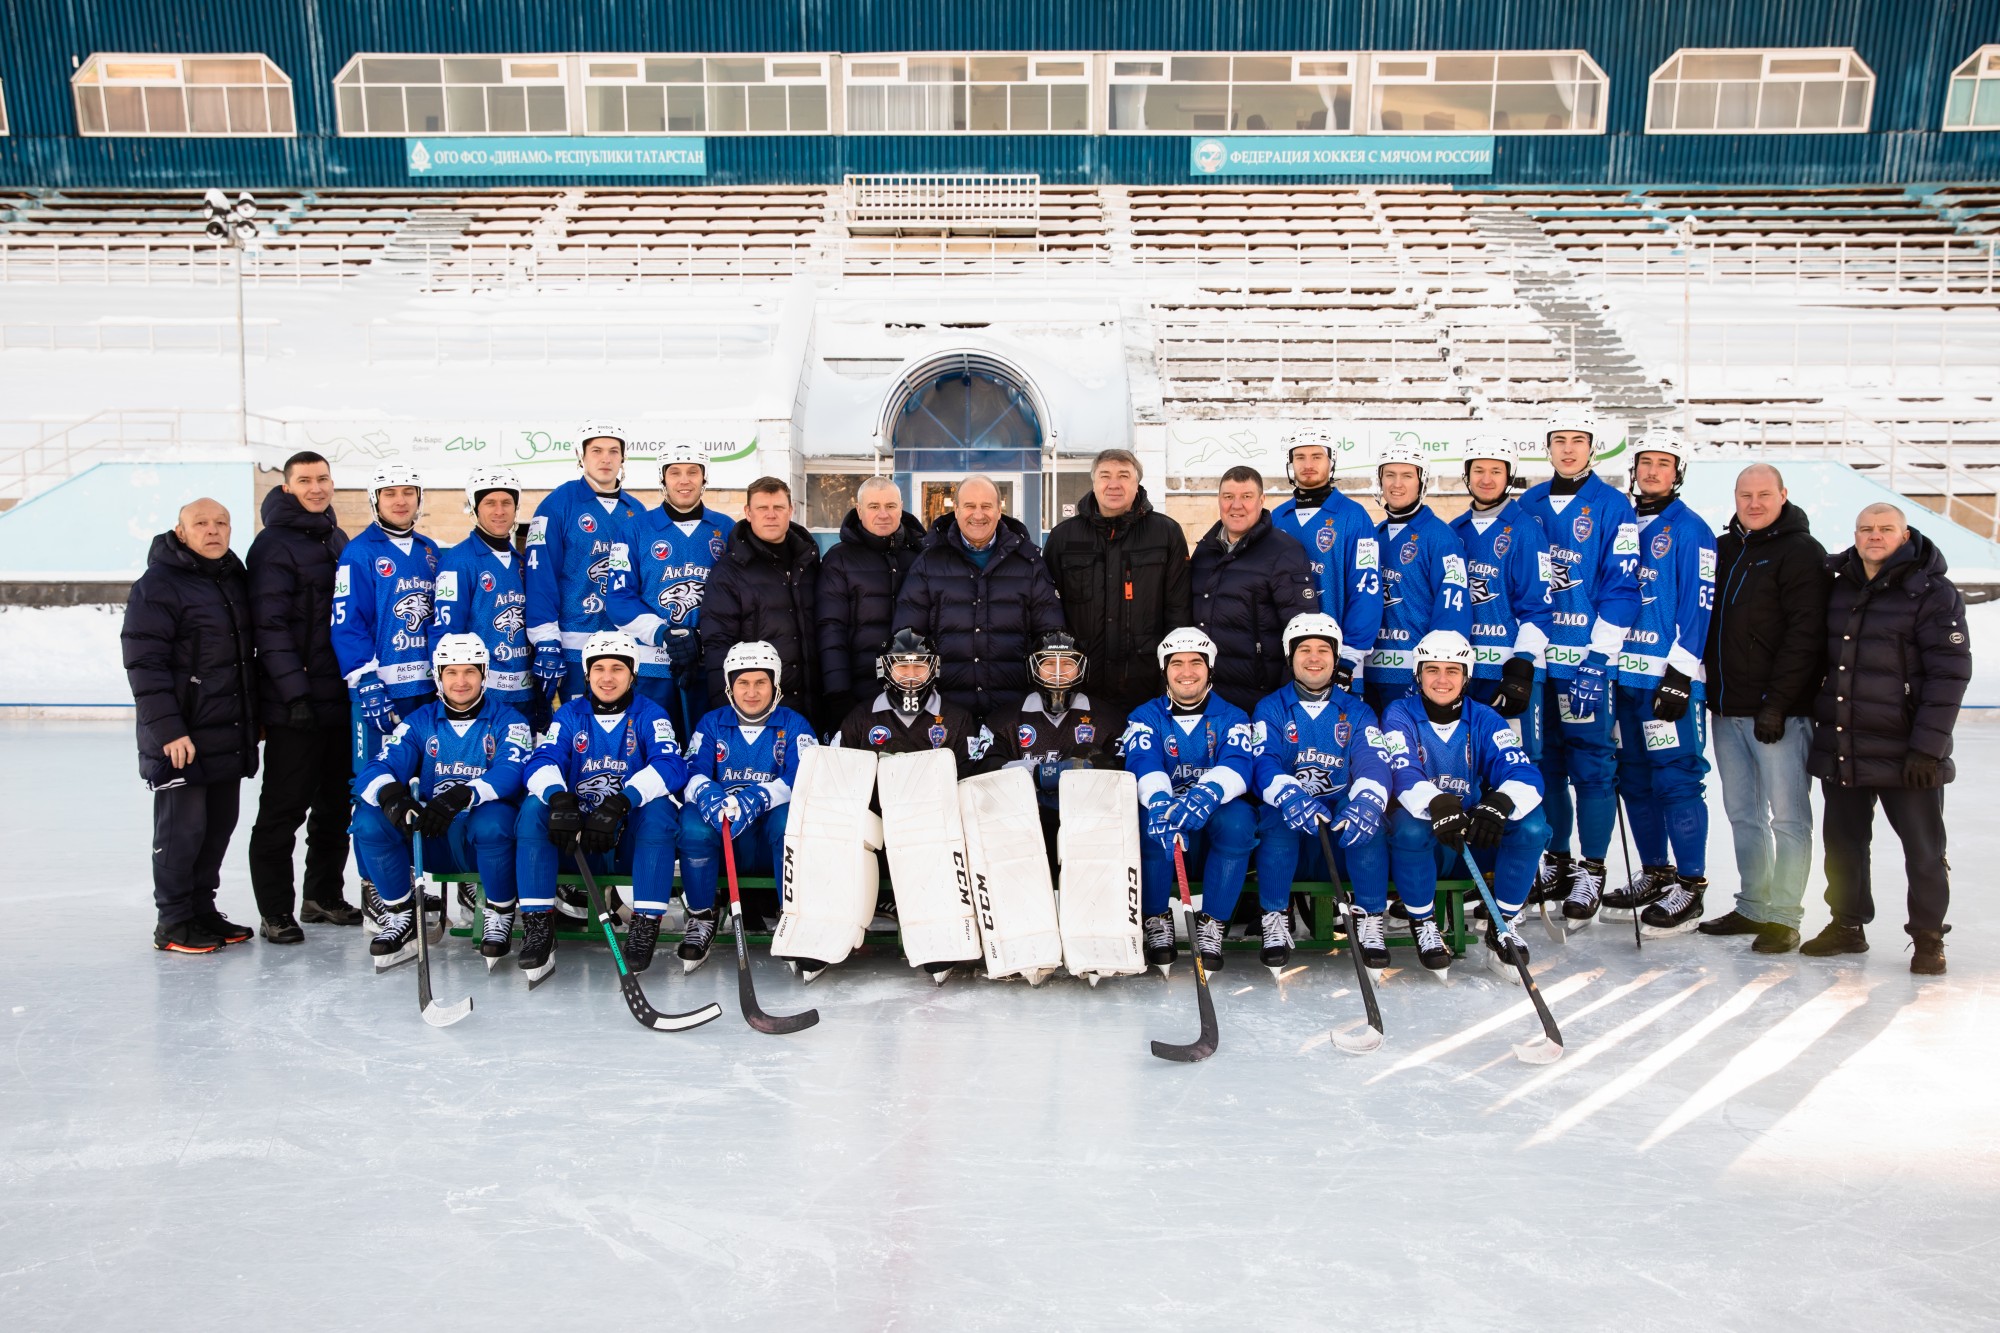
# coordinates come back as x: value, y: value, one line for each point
x: 1507, y: 583
x: 382, y: 610
x: 1474, y: 755
x: 1332, y: 748
x: 569, y: 562
x: 1593, y: 571
x: 1423, y: 588
x: 1170, y: 754
x: 1342, y: 548
x: 483, y: 591
x: 632, y: 752
x: 432, y: 754
x: 1676, y: 595
x: 658, y: 575
x: 722, y: 749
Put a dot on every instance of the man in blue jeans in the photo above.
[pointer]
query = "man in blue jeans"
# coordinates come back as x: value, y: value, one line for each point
x: 1765, y: 658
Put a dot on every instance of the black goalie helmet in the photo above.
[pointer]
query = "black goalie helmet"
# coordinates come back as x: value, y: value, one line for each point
x: 1056, y: 665
x: 907, y: 649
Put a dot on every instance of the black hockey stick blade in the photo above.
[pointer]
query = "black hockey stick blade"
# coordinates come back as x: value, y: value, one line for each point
x: 1369, y: 1038
x: 1211, y: 1034
x: 1547, y: 1048
x: 437, y: 1015
x: 746, y: 987
x: 635, y: 994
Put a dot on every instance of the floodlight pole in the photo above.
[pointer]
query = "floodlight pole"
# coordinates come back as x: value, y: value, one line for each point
x: 1684, y: 235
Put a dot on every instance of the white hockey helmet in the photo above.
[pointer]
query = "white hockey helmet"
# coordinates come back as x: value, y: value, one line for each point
x: 1575, y: 419
x: 391, y: 474
x: 601, y: 430
x: 1409, y: 451
x: 1187, y: 640
x: 1311, y: 625
x: 486, y: 479
x: 611, y: 643
x: 1497, y: 448
x: 1446, y: 645
x: 752, y: 655
x: 458, y: 650
x: 1660, y: 439
x: 683, y: 451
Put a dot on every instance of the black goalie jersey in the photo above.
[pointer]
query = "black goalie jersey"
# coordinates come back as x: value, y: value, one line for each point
x: 940, y: 726
x: 1028, y: 735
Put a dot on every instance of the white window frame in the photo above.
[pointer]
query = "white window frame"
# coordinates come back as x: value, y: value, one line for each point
x: 564, y: 78
x: 1982, y: 66
x: 6, y: 127
x: 851, y: 77
x: 823, y: 78
x: 1354, y: 79
x: 1856, y: 70
x: 93, y: 77
x: 1368, y: 111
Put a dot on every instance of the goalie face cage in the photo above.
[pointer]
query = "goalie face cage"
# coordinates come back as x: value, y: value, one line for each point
x: 907, y: 696
x: 1056, y: 685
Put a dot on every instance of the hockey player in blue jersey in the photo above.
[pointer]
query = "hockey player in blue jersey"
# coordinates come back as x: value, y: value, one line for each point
x: 742, y: 759
x: 1320, y: 757
x: 569, y: 557
x: 1662, y: 726
x: 1340, y: 543
x: 382, y: 611
x: 482, y: 590
x: 450, y: 773
x: 1191, y: 751
x: 1423, y: 573
x: 1593, y: 541
x: 1507, y: 573
x: 1460, y: 778
x: 657, y: 579
x: 605, y: 778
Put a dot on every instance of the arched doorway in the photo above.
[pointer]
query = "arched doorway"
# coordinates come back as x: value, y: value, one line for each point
x: 964, y: 412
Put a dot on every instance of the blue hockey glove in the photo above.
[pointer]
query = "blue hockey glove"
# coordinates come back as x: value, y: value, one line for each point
x: 1158, y: 827
x: 1586, y: 687
x: 1363, y: 815
x: 752, y: 799
x: 1301, y: 809
x: 549, y: 665
x: 1195, y: 807
x: 375, y: 706
x: 712, y: 803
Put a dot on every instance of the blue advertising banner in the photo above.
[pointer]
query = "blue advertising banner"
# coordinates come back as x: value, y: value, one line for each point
x: 652, y: 155
x: 1342, y: 155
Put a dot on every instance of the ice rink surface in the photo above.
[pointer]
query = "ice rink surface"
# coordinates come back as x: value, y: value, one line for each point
x: 271, y: 1137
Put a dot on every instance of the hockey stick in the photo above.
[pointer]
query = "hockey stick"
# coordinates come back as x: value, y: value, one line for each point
x: 1547, y: 1048
x: 746, y: 988
x: 635, y: 994
x: 437, y: 1015
x: 1204, y: 1045
x: 1354, y: 1043
x: 1625, y: 851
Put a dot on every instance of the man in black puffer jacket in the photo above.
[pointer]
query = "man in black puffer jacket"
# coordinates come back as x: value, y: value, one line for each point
x: 858, y: 583
x: 981, y: 596
x: 307, y: 754
x: 765, y: 585
x: 1898, y: 661
x: 192, y: 667
x: 1122, y: 570
x: 1249, y: 580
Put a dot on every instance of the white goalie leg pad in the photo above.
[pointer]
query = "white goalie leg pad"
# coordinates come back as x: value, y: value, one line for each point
x: 830, y: 876
x: 1098, y: 846
x: 927, y: 865
x: 1011, y: 890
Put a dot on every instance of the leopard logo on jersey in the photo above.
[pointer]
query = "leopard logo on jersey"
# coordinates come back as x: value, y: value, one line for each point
x: 681, y: 600
x: 1314, y: 779
x: 510, y: 621
x: 413, y: 609
x: 1482, y: 591
x: 590, y: 792
x: 599, y: 571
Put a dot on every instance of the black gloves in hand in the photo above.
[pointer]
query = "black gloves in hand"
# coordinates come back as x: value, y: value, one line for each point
x: 1921, y: 772
x: 1517, y: 687
x: 601, y: 826
x: 299, y: 713
x: 398, y: 806
x: 1670, y: 699
x: 565, y: 820
x: 1449, y: 822
x: 444, y: 807
x: 1343, y: 674
x: 1489, y: 820
x: 1770, y: 726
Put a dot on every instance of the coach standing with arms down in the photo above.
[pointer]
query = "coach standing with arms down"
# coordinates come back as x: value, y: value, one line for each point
x: 1898, y: 661
x: 1766, y: 654
x: 192, y: 667
x: 1122, y: 570
x: 1248, y: 580
x: 307, y: 760
x: 765, y: 585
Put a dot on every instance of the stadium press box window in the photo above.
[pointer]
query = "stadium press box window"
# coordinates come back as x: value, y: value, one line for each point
x: 1185, y: 93
x: 427, y: 94
x: 182, y: 96
x: 1485, y: 92
x: 968, y: 94
x: 1974, y: 101
x: 1798, y: 91
x: 694, y: 94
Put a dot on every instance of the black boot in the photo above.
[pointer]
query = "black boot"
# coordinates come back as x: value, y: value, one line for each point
x: 1835, y: 939
x: 640, y: 937
x: 1679, y: 910
x: 1928, y: 961
x: 538, y: 943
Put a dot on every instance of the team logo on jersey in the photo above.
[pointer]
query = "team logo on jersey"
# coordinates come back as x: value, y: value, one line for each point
x: 1314, y: 779
x: 1408, y: 553
x: 1343, y: 732
x: 631, y: 743
x: 489, y: 747
x: 878, y: 735
x: 586, y: 522
x: 1661, y: 545
x: 599, y: 571
x: 581, y: 743
x: 591, y: 605
x: 486, y: 582
x: 1482, y: 591
x: 1582, y: 525
x: 385, y: 566
x: 413, y: 609
x: 661, y: 550
x: 509, y: 621
x: 1503, y: 541
x: 721, y: 750
x: 590, y: 792
x: 1324, y: 537
x: 1025, y: 734
x: 1292, y: 732
x: 1085, y: 733
x: 715, y: 547
x: 977, y: 746
x: 1559, y: 578
x: 937, y: 734
x: 681, y: 600
x: 1173, y: 746
x: 431, y: 747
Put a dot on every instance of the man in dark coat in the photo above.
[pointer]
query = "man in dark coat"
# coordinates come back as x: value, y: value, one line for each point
x: 307, y: 764
x: 1765, y: 658
x: 765, y: 586
x: 1898, y: 661
x: 1122, y: 570
x: 191, y: 663
x: 858, y: 582
x: 981, y: 596
x: 1249, y: 580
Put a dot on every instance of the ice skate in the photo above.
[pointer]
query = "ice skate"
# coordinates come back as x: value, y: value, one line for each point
x: 1368, y: 937
x: 497, y: 940
x: 397, y: 942
x: 640, y: 938
x: 1651, y: 884
x: 1161, y: 950
x: 696, y: 942
x: 1586, y: 891
x: 1679, y: 911
x: 538, y: 945
x: 1206, y: 937
x: 1432, y: 951
x: 1277, y: 950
